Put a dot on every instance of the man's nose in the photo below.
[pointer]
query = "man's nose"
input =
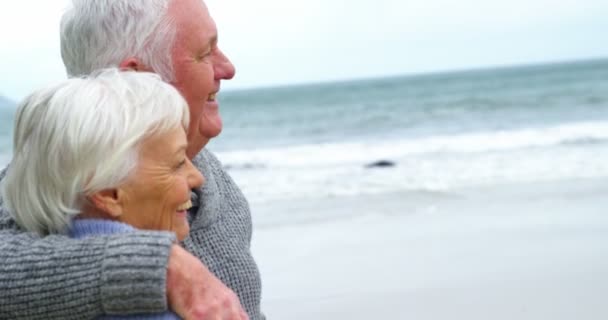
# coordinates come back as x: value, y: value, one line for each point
x: 224, y: 69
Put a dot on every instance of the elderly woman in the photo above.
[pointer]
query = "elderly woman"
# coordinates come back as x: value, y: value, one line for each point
x: 102, y: 155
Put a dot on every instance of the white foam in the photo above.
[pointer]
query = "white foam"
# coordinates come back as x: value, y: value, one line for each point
x: 362, y: 152
x: 432, y: 164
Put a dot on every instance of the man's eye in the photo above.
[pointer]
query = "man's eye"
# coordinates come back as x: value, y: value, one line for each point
x: 204, y: 55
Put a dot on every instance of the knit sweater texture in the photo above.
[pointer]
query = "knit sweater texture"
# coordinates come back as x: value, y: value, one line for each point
x: 55, y: 277
x: 82, y: 228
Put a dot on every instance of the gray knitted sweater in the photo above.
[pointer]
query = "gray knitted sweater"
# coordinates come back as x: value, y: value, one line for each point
x: 56, y: 277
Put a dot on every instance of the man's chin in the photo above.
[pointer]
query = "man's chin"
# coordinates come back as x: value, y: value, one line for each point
x: 210, y: 127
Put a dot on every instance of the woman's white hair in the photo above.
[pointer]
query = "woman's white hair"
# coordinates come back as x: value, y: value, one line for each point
x: 80, y: 137
x: 97, y: 34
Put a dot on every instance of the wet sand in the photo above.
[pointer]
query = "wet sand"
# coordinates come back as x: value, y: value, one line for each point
x: 527, y: 251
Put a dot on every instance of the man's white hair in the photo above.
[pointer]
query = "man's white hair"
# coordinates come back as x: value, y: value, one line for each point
x: 80, y: 137
x: 97, y: 34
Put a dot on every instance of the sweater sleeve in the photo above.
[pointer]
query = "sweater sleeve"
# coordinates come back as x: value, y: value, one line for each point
x: 55, y: 277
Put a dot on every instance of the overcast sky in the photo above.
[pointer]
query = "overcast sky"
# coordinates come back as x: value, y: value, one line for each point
x: 277, y: 42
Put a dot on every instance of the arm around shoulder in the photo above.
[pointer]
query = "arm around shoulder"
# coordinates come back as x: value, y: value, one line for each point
x: 55, y: 277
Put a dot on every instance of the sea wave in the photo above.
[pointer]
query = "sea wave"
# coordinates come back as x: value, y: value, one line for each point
x: 364, y: 152
x: 429, y: 172
x: 434, y: 164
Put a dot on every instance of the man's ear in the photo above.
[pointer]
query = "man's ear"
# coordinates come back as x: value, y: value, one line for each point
x: 134, y: 64
x: 108, y: 201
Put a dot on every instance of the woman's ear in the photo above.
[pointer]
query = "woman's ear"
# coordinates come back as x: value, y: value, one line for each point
x: 133, y: 64
x: 108, y: 201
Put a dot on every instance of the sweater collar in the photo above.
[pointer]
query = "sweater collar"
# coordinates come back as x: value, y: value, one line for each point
x: 82, y: 228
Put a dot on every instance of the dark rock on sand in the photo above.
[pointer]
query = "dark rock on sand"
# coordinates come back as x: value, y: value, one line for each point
x: 381, y: 164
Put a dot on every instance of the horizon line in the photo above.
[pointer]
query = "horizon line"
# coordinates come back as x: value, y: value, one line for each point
x: 448, y: 71
x: 495, y: 67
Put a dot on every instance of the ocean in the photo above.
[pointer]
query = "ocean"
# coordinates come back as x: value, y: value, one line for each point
x: 438, y: 133
x: 7, y: 114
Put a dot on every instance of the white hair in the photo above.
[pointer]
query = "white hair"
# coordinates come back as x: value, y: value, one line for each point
x: 97, y: 34
x: 82, y: 136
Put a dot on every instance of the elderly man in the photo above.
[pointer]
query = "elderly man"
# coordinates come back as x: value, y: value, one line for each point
x: 58, y: 278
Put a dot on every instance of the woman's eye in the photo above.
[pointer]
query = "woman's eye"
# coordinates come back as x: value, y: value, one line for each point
x: 181, y: 164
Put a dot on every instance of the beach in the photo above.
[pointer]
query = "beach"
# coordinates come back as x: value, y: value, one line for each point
x: 491, y: 203
x: 518, y: 251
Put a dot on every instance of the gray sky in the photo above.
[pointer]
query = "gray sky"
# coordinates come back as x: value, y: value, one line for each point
x: 277, y: 42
